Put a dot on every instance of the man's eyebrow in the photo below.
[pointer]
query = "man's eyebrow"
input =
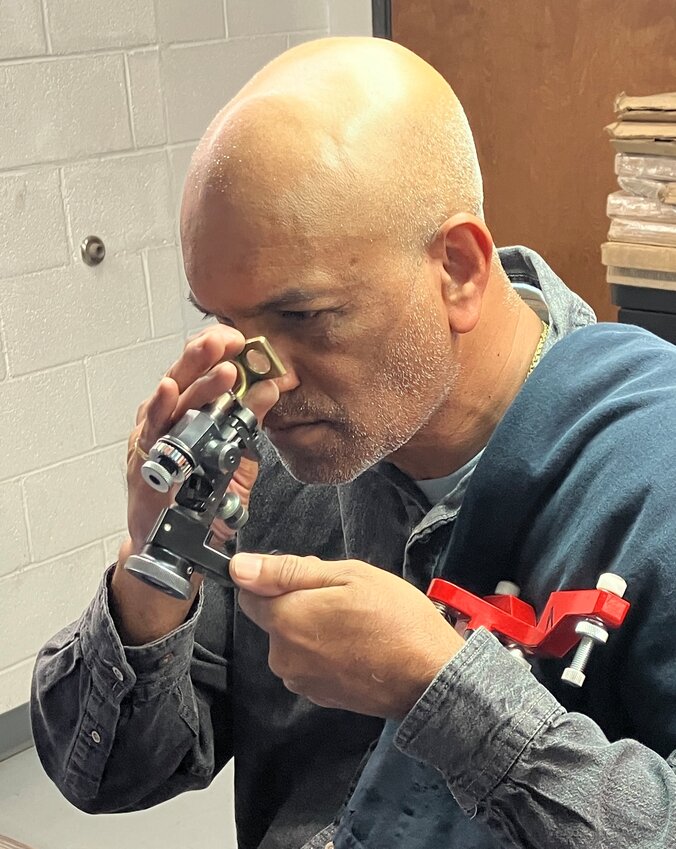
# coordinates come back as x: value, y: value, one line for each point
x: 190, y: 297
x: 292, y: 297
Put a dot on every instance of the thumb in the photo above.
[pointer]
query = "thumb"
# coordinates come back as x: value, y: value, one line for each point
x: 261, y: 397
x: 273, y: 575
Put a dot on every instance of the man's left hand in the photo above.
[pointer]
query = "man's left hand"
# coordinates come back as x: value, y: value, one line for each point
x: 343, y: 633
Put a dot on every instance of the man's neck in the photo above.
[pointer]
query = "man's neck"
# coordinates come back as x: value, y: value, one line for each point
x: 493, y: 365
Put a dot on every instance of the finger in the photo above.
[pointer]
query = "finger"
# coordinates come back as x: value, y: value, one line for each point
x: 221, y: 378
x: 201, y: 354
x: 220, y: 533
x: 243, y: 480
x: 323, y: 701
x: 292, y: 617
x: 274, y: 575
x: 164, y: 408
x: 273, y: 614
x: 255, y: 608
x: 158, y: 397
x: 158, y: 414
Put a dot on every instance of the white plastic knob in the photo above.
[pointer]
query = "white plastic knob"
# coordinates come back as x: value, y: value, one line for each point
x: 612, y: 583
x: 508, y: 588
x: 573, y: 677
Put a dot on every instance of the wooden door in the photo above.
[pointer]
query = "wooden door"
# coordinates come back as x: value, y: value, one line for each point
x: 537, y: 79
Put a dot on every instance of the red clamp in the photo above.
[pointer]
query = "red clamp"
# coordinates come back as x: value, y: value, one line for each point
x: 570, y: 617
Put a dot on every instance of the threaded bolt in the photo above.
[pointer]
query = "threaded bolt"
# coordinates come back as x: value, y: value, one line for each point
x: 591, y: 633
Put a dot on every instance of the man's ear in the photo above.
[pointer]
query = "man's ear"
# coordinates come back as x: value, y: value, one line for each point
x: 463, y: 247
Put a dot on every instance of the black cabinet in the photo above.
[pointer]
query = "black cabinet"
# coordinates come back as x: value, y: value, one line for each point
x: 654, y: 309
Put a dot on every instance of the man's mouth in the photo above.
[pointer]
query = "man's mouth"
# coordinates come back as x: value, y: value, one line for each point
x: 281, y: 425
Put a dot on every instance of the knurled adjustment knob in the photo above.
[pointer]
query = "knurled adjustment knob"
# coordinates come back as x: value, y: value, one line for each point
x: 156, y: 476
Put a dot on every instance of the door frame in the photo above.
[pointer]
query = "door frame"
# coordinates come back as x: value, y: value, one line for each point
x: 381, y: 14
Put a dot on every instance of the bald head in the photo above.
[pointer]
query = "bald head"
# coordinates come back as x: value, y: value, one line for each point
x: 352, y: 133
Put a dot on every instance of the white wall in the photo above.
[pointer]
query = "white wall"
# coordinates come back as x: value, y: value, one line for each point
x: 101, y: 104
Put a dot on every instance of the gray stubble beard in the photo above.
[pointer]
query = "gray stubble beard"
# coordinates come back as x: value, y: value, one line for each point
x: 429, y: 358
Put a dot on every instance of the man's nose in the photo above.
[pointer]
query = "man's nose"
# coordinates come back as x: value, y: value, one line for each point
x: 289, y: 380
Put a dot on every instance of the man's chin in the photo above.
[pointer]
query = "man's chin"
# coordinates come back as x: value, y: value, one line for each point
x: 312, y: 469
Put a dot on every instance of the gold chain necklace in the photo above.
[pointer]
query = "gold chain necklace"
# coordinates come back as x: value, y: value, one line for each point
x: 537, y: 356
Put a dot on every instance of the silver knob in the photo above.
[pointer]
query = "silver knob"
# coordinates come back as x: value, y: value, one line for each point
x: 156, y: 476
x: 232, y: 512
x: 169, y: 580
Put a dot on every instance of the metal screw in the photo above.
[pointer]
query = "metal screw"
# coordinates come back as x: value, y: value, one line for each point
x: 92, y: 250
x: 228, y: 458
x: 592, y: 633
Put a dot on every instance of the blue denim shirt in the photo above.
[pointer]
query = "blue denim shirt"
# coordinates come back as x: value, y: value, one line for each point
x: 529, y: 761
x: 122, y: 728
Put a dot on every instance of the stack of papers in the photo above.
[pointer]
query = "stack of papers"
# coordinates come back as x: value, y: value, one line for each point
x: 641, y: 247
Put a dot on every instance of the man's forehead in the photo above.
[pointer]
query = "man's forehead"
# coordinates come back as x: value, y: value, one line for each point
x: 275, y: 258
x: 244, y: 297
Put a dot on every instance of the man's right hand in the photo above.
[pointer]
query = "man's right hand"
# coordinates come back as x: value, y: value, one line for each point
x: 202, y: 373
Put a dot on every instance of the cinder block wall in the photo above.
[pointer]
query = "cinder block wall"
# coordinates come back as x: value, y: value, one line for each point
x: 101, y: 104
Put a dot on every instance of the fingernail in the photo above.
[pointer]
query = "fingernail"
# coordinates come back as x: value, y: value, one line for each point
x: 246, y: 567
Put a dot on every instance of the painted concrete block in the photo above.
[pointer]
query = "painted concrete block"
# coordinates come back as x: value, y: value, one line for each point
x: 79, y: 25
x: 125, y: 200
x: 59, y: 109
x: 44, y: 418
x: 68, y: 313
x: 13, y: 532
x: 77, y: 502
x: 32, y: 224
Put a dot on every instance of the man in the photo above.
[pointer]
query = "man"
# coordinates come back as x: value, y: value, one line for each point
x: 437, y: 418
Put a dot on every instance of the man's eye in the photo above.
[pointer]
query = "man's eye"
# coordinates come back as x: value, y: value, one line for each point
x: 301, y: 315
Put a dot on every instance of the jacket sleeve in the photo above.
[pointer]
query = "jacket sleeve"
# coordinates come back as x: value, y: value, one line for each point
x: 122, y: 728
x: 536, y: 774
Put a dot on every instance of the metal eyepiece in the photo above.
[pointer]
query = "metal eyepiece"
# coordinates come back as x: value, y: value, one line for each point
x: 257, y: 361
